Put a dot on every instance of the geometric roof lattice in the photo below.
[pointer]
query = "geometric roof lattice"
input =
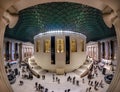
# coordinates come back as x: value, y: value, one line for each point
x: 60, y: 16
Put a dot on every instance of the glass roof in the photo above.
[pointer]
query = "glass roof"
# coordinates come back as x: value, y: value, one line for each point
x: 60, y: 16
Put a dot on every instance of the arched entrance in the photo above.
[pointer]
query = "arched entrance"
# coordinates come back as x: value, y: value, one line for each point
x: 113, y: 18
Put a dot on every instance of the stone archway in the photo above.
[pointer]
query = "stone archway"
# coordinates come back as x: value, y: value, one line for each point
x: 114, y: 4
x: 115, y: 85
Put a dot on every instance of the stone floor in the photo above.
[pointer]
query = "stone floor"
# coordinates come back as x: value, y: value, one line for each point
x: 29, y: 85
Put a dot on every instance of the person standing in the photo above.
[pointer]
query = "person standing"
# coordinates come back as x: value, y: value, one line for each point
x: 83, y: 81
x: 101, y: 84
x: 53, y: 78
x: 89, y: 89
x: 36, y: 84
x: 86, y: 89
x: 58, y: 81
x: 19, y: 73
x: 89, y: 82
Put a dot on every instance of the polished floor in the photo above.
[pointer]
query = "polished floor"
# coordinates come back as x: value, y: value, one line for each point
x: 29, y: 85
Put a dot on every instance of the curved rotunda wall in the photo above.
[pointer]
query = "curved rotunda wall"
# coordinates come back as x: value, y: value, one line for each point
x: 76, y: 51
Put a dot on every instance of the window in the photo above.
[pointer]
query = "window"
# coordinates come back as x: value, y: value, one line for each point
x: 60, y: 45
x: 47, y: 45
x: 38, y: 46
x: 73, y: 45
x: 82, y: 45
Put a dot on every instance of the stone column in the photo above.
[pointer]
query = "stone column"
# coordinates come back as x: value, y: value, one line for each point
x: 99, y: 51
x: 20, y: 52
x: 112, y: 50
x: 94, y: 53
x: 7, y: 50
x: 10, y: 51
x: 13, y: 51
x: 106, y: 50
x: 115, y: 49
x: 16, y: 50
x: 109, y: 46
x: 90, y: 51
x: 103, y: 50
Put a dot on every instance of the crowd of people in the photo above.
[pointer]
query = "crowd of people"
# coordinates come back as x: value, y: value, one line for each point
x: 91, y: 75
x: 40, y: 88
x: 11, y: 73
x: 91, y: 85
